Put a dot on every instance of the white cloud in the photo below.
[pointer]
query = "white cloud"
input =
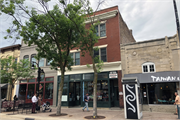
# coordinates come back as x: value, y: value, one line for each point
x: 149, y: 19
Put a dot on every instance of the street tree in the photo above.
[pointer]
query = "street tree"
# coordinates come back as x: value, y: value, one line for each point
x: 51, y: 31
x: 12, y: 71
x: 90, y: 38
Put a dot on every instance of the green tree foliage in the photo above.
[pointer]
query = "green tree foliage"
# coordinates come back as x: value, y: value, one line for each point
x: 55, y: 32
x: 87, y: 45
x: 12, y: 71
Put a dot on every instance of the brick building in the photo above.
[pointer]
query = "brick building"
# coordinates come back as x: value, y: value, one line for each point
x: 155, y: 63
x: 28, y: 87
x: 112, y: 31
x: 6, y: 52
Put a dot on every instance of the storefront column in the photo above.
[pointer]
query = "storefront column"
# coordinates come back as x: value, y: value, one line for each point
x: 121, y: 103
x: 109, y: 93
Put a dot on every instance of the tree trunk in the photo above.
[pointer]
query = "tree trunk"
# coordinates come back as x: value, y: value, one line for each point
x: 95, y: 95
x: 60, y: 93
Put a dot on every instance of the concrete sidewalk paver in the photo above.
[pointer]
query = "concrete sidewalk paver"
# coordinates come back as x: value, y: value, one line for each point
x: 78, y: 114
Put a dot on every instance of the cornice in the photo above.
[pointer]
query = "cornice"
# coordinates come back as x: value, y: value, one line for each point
x: 103, y: 16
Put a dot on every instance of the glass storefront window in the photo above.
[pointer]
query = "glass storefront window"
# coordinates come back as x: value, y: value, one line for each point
x: 48, y: 90
x: 102, y: 75
x: 22, y: 91
x: 102, y: 90
x: 41, y: 86
x: 88, y: 76
x: 23, y: 81
x: 30, y: 93
x: 64, y: 94
x: 75, y: 77
x: 144, y: 93
x: 49, y: 79
x: 161, y: 93
x: 66, y: 78
x: 32, y: 80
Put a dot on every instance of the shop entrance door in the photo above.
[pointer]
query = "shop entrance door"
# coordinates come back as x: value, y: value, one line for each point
x: 114, y: 93
x: 74, y: 94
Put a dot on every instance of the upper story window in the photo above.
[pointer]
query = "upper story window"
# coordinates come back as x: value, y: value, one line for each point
x: 101, y: 30
x: 148, y: 67
x: 33, y: 59
x: 16, y: 60
x: 76, y: 58
x: 41, y: 62
x: 101, y: 53
x: 26, y: 57
x: 48, y: 62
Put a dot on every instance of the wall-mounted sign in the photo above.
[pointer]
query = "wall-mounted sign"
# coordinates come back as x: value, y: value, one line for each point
x: 120, y: 93
x: 113, y: 74
x: 167, y: 76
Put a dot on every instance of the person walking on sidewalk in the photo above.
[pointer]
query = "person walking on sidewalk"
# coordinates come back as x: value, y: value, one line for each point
x: 86, y: 100
x: 34, y: 101
x: 177, y: 102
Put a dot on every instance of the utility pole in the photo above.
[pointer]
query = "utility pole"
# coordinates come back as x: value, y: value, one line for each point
x: 177, y: 19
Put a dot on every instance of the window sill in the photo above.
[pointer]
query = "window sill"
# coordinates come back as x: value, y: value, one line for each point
x: 103, y: 37
x: 148, y: 72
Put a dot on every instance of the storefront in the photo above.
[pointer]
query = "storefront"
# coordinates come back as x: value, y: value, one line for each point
x: 27, y: 88
x: 3, y: 88
x: 77, y: 85
x: 158, y: 88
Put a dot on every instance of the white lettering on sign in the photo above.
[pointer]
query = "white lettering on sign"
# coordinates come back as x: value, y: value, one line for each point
x: 168, y: 78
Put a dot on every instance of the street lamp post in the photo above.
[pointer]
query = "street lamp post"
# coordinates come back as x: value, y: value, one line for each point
x: 41, y: 74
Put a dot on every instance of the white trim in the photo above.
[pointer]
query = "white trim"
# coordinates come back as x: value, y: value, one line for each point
x: 137, y: 101
x: 77, y: 50
x: 148, y: 67
x: 80, y: 69
x: 103, y: 22
x: 101, y: 46
x: 124, y: 95
x: 102, y: 16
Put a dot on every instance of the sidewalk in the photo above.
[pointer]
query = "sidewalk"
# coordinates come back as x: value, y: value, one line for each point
x: 78, y: 114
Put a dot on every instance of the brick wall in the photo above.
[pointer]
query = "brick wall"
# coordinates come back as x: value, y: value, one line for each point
x: 125, y: 34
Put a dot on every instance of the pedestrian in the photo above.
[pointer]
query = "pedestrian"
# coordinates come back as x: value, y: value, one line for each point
x: 15, y: 99
x: 34, y: 101
x: 177, y: 102
x: 86, y: 100
x: 39, y: 102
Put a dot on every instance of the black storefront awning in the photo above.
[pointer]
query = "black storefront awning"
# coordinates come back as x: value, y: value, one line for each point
x: 168, y: 76
x: 4, y: 86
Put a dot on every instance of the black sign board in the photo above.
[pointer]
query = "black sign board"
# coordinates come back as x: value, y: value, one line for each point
x: 131, y: 102
x: 157, y: 77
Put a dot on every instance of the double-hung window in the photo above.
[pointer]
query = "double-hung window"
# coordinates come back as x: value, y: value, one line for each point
x: 41, y: 62
x: 33, y: 59
x: 76, y: 58
x: 26, y: 57
x: 101, y: 30
x: 148, y: 67
x: 101, y: 53
x: 48, y: 62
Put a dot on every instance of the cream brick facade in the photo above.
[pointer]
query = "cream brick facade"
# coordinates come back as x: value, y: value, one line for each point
x: 163, y: 52
x: 14, y: 51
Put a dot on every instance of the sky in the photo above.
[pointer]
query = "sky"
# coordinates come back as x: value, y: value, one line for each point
x: 148, y: 19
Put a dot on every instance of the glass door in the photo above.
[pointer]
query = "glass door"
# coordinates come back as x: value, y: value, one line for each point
x: 74, y: 93
x: 77, y: 93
